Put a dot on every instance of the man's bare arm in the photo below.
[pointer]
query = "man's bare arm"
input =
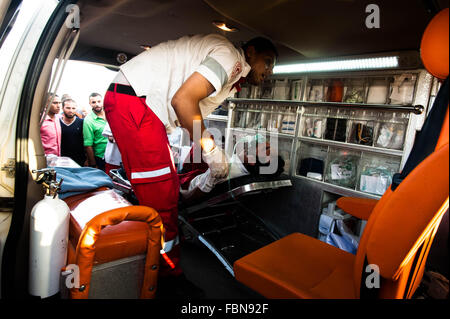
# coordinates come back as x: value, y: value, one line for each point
x: 90, y: 156
x: 186, y: 105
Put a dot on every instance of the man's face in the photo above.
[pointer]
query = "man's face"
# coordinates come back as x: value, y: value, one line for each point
x: 55, y: 107
x: 261, y: 64
x: 96, y: 103
x: 69, y: 109
x: 262, y: 153
x: 266, y: 160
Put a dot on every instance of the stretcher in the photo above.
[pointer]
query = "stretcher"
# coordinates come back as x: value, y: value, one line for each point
x: 242, y: 186
x: 224, y: 225
x: 122, y: 185
x: 117, y: 268
x: 122, y: 262
x: 219, y: 221
x: 114, y: 244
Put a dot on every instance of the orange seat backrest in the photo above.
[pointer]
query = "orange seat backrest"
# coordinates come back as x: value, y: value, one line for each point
x: 403, y: 223
x: 434, y: 45
x: 403, y: 219
x: 434, y: 51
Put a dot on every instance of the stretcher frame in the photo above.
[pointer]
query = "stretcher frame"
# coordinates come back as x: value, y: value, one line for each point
x: 223, y: 200
x: 244, y: 190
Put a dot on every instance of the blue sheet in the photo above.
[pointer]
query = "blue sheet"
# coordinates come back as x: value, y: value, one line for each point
x: 81, y: 180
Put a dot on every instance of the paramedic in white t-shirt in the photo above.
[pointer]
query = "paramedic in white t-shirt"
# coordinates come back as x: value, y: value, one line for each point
x: 175, y: 83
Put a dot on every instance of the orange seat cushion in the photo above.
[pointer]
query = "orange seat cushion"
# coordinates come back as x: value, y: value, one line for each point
x: 358, y: 207
x: 298, y: 266
x: 126, y: 239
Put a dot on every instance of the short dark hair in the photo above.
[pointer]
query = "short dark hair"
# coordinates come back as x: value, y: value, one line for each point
x: 50, y: 94
x: 67, y: 100
x: 94, y: 95
x: 261, y: 45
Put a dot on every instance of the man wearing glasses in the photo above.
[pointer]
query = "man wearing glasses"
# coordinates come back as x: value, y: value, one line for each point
x: 51, y: 128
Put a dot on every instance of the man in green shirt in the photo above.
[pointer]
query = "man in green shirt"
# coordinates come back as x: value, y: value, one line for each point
x: 94, y: 141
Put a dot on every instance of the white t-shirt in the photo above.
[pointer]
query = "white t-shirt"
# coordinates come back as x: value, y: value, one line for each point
x: 112, y: 153
x: 160, y: 71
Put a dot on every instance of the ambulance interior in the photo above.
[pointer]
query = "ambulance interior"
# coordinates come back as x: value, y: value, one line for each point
x: 343, y: 135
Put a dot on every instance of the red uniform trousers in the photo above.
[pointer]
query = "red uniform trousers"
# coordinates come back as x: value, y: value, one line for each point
x: 148, y: 162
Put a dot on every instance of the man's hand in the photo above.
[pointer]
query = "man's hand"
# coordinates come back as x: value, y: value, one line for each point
x: 217, y: 162
x: 90, y: 156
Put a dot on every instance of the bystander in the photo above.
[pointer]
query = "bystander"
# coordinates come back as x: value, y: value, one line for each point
x: 51, y: 127
x: 93, y: 125
x: 72, y: 144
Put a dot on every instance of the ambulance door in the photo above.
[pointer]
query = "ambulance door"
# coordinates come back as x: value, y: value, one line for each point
x: 28, y: 31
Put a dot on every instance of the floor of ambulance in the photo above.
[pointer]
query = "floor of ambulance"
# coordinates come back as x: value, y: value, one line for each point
x: 234, y: 232
x: 203, y: 268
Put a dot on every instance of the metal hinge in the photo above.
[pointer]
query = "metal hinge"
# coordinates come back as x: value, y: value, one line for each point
x: 10, y: 167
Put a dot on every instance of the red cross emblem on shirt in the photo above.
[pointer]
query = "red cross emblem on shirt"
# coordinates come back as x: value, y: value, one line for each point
x: 237, y: 85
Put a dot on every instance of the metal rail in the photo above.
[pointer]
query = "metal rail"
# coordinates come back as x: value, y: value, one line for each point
x: 416, y: 109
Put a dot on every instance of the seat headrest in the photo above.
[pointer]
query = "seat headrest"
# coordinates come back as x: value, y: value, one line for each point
x: 434, y: 45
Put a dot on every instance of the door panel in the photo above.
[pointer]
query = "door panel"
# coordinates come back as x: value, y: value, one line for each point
x: 25, y: 55
x: 16, y: 53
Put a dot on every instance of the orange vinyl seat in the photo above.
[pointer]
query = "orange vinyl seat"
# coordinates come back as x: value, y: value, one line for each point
x: 105, y: 228
x: 126, y: 239
x: 400, y: 229
x: 396, y: 240
x: 298, y: 266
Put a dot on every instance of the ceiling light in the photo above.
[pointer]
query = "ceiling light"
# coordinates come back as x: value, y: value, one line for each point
x: 121, y: 58
x: 222, y: 26
x: 339, y: 65
x: 145, y: 47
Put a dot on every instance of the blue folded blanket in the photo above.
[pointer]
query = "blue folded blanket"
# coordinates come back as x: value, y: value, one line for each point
x: 81, y: 180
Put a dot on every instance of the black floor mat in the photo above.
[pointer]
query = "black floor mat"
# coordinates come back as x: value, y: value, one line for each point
x: 233, y: 231
x: 205, y: 270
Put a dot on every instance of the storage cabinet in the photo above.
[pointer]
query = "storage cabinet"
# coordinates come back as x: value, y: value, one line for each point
x: 275, y: 123
x: 348, y: 132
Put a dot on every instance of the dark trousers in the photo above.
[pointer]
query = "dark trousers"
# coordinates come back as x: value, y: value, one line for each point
x: 100, y: 163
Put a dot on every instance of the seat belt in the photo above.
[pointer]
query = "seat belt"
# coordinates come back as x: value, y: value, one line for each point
x: 426, y: 140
